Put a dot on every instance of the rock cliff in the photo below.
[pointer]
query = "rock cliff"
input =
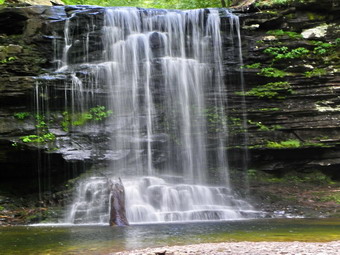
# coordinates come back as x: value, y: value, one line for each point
x: 291, y: 93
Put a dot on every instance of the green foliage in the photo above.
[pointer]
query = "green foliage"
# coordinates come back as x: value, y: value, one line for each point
x: 98, y: 113
x: 283, y: 52
x: 323, y: 48
x: 337, y: 42
x: 253, y: 66
x: 272, y: 72
x: 280, y: 33
x: 21, y: 115
x: 6, y: 60
x: 81, y: 118
x: 315, y: 177
x: 41, y: 122
x: 335, y: 197
x: 317, y: 72
x: 295, y: 178
x: 284, y: 144
x: 272, y: 90
x: 43, y: 138
x: 263, y: 127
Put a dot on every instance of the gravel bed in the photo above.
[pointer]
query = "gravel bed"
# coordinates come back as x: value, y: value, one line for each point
x: 243, y: 248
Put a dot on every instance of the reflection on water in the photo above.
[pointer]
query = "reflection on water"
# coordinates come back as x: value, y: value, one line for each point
x: 101, y: 239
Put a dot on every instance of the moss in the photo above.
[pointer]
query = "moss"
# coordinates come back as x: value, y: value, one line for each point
x: 272, y: 72
x: 263, y: 127
x: 253, y: 66
x: 281, y: 33
x: 272, y: 90
x: 315, y: 16
x: 327, y: 197
x: 284, y: 144
x: 269, y: 109
x: 317, y: 72
x: 314, y: 177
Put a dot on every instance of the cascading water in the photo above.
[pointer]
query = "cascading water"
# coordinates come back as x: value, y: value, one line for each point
x: 164, y: 76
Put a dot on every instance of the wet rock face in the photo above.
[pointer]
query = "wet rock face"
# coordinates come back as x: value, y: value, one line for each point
x: 307, y: 114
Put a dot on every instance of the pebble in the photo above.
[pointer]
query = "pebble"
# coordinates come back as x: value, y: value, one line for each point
x: 242, y: 248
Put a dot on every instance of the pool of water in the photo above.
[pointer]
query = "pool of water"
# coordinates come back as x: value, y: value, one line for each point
x: 58, y: 239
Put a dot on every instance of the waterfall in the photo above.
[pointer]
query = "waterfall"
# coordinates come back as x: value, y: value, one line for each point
x: 162, y: 72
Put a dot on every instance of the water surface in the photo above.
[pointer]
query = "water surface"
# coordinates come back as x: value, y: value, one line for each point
x: 101, y: 239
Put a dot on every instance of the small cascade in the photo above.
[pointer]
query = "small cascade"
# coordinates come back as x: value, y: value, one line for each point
x: 156, y: 200
x: 161, y: 75
x: 92, y: 202
x: 153, y: 199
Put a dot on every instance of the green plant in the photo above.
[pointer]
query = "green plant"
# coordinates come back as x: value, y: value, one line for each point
x: 99, y: 113
x: 272, y: 72
x: 337, y: 42
x: 316, y: 72
x: 322, y: 48
x: 253, y: 66
x: 284, y: 53
x: 272, y: 90
x: 6, y: 60
x: 330, y: 198
x: 252, y: 173
x: 43, y: 138
x: 260, y: 126
x: 280, y: 33
x: 263, y: 127
x: 284, y: 144
x: 21, y: 115
x: 41, y: 122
